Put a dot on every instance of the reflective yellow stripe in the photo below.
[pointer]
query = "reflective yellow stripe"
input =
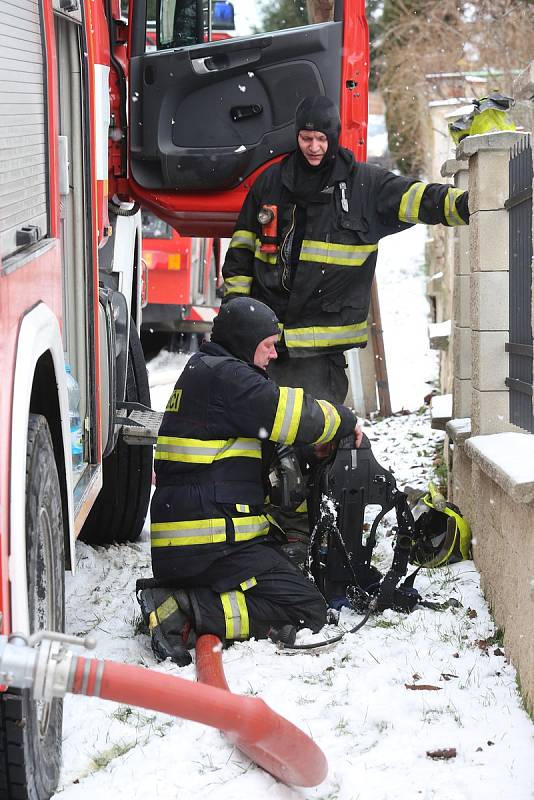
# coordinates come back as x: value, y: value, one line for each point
x: 238, y: 284
x: 243, y: 239
x: 332, y: 421
x: 236, y: 619
x: 345, y: 255
x: 242, y: 508
x: 451, y: 212
x: 162, y: 612
x: 267, y: 258
x: 188, y: 532
x: 288, y: 412
x: 247, y: 528
x: 205, y: 451
x: 326, y: 336
x: 303, y: 508
x: 411, y: 203
x: 248, y: 584
x: 206, y: 531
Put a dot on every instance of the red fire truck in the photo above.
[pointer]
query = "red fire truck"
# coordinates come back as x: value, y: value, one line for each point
x: 92, y: 124
x: 182, y: 275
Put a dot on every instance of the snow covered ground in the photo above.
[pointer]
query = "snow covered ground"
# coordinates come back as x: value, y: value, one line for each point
x: 363, y: 701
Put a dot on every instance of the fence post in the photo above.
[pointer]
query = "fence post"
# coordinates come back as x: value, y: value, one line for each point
x: 460, y: 345
x: 488, y: 157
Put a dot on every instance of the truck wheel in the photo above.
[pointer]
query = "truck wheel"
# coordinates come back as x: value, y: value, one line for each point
x: 121, y: 507
x: 30, y: 732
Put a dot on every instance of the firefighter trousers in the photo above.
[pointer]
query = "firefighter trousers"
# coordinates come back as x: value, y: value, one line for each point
x: 322, y: 376
x: 273, y: 594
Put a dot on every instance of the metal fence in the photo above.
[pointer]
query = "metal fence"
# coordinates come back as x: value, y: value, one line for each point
x: 519, y: 348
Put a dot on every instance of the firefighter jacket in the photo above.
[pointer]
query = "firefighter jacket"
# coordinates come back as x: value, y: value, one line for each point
x: 213, y: 454
x: 323, y: 303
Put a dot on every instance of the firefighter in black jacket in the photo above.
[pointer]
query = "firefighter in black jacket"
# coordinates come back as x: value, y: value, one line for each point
x: 306, y: 244
x: 217, y: 564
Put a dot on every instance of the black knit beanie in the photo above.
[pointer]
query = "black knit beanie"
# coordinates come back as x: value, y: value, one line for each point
x: 241, y: 325
x: 319, y: 114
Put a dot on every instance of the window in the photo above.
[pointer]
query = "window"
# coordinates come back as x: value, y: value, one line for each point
x: 182, y: 23
x: 154, y: 228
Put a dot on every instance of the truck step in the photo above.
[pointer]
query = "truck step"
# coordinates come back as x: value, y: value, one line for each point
x: 141, y: 427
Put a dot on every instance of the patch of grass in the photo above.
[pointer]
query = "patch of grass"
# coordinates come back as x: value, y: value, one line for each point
x: 342, y: 728
x: 206, y: 765
x: 147, y: 723
x: 498, y: 637
x: 139, y: 625
x: 101, y: 760
x: 456, y: 635
x: 326, y: 678
x: 527, y: 705
x: 161, y: 729
x: 304, y: 701
x: 440, y: 469
x: 131, y: 716
x: 333, y: 795
x: 385, y: 623
x: 434, y: 715
x: 443, y: 579
x: 123, y: 713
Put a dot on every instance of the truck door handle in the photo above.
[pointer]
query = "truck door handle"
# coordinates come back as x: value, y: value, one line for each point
x: 207, y: 65
x: 244, y: 112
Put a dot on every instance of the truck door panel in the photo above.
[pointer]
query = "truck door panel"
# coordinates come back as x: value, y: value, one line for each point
x: 207, y: 116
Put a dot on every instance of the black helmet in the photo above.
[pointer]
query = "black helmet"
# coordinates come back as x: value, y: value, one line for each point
x: 319, y: 113
x: 242, y: 324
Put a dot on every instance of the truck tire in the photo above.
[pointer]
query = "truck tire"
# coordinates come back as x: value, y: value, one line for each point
x: 30, y: 732
x: 121, y: 507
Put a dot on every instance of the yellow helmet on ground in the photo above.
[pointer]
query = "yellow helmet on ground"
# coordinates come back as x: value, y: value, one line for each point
x: 444, y: 535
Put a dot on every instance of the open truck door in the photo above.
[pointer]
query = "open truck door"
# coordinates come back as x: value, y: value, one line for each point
x: 206, y: 117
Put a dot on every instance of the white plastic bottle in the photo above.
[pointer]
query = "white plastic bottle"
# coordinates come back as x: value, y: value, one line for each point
x: 76, y: 441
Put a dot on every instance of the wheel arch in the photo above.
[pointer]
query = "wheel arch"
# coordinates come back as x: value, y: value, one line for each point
x: 39, y: 366
x: 46, y: 403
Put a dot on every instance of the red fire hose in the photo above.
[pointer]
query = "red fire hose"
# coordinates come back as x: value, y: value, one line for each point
x: 270, y: 740
x: 267, y: 738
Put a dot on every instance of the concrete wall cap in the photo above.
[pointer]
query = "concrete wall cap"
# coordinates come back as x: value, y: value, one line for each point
x: 458, y: 430
x: 523, y: 86
x: 498, y: 140
x: 508, y: 459
x: 450, y: 167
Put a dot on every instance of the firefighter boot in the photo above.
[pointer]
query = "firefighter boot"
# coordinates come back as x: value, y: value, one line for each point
x: 167, y: 614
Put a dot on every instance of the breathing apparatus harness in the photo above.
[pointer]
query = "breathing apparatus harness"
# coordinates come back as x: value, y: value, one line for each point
x: 339, y: 554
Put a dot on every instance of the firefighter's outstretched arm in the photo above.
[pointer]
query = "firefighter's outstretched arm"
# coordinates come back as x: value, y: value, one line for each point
x: 406, y: 201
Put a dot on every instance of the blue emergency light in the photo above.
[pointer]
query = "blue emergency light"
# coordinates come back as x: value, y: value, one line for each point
x: 223, y: 16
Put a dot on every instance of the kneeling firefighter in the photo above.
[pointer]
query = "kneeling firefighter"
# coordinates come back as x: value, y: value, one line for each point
x: 216, y: 556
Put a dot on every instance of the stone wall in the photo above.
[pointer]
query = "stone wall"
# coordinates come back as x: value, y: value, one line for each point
x: 491, y: 461
x: 504, y: 555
